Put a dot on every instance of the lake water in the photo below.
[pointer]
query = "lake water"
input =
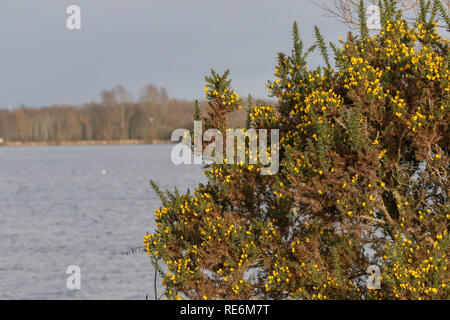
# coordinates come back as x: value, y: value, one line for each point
x: 81, y: 205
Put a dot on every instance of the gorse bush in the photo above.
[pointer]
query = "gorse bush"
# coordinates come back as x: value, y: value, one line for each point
x: 363, y: 179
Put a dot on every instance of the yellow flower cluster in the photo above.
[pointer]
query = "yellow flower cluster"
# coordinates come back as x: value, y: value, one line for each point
x: 227, y: 98
x: 264, y: 114
x: 417, y: 279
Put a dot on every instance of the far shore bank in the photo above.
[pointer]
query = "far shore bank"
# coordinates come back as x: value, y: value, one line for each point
x: 81, y: 143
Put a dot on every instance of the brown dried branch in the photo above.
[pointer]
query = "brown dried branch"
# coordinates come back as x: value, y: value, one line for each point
x: 347, y: 10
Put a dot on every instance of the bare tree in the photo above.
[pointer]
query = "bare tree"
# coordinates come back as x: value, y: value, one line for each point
x: 117, y: 116
x: 347, y: 10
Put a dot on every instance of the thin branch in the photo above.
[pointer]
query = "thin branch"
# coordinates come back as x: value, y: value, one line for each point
x: 373, y: 219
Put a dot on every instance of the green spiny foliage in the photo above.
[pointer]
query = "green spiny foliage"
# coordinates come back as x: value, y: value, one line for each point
x: 249, y: 111
x: 424, y: 8
x: 388, y: 11
x: 197, y: 112
x: 321, y: 44
x: 443, y: 12
x: 363, y: 20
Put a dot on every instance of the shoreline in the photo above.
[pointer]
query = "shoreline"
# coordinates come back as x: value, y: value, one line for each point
x: 83, y: 143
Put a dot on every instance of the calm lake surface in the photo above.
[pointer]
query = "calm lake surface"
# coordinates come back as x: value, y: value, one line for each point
x: 81, y: 205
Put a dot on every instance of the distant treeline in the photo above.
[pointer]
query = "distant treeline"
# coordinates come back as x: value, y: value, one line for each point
x: 118, y: 116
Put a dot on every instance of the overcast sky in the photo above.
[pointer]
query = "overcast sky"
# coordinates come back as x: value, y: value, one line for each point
x: 171, y: 43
